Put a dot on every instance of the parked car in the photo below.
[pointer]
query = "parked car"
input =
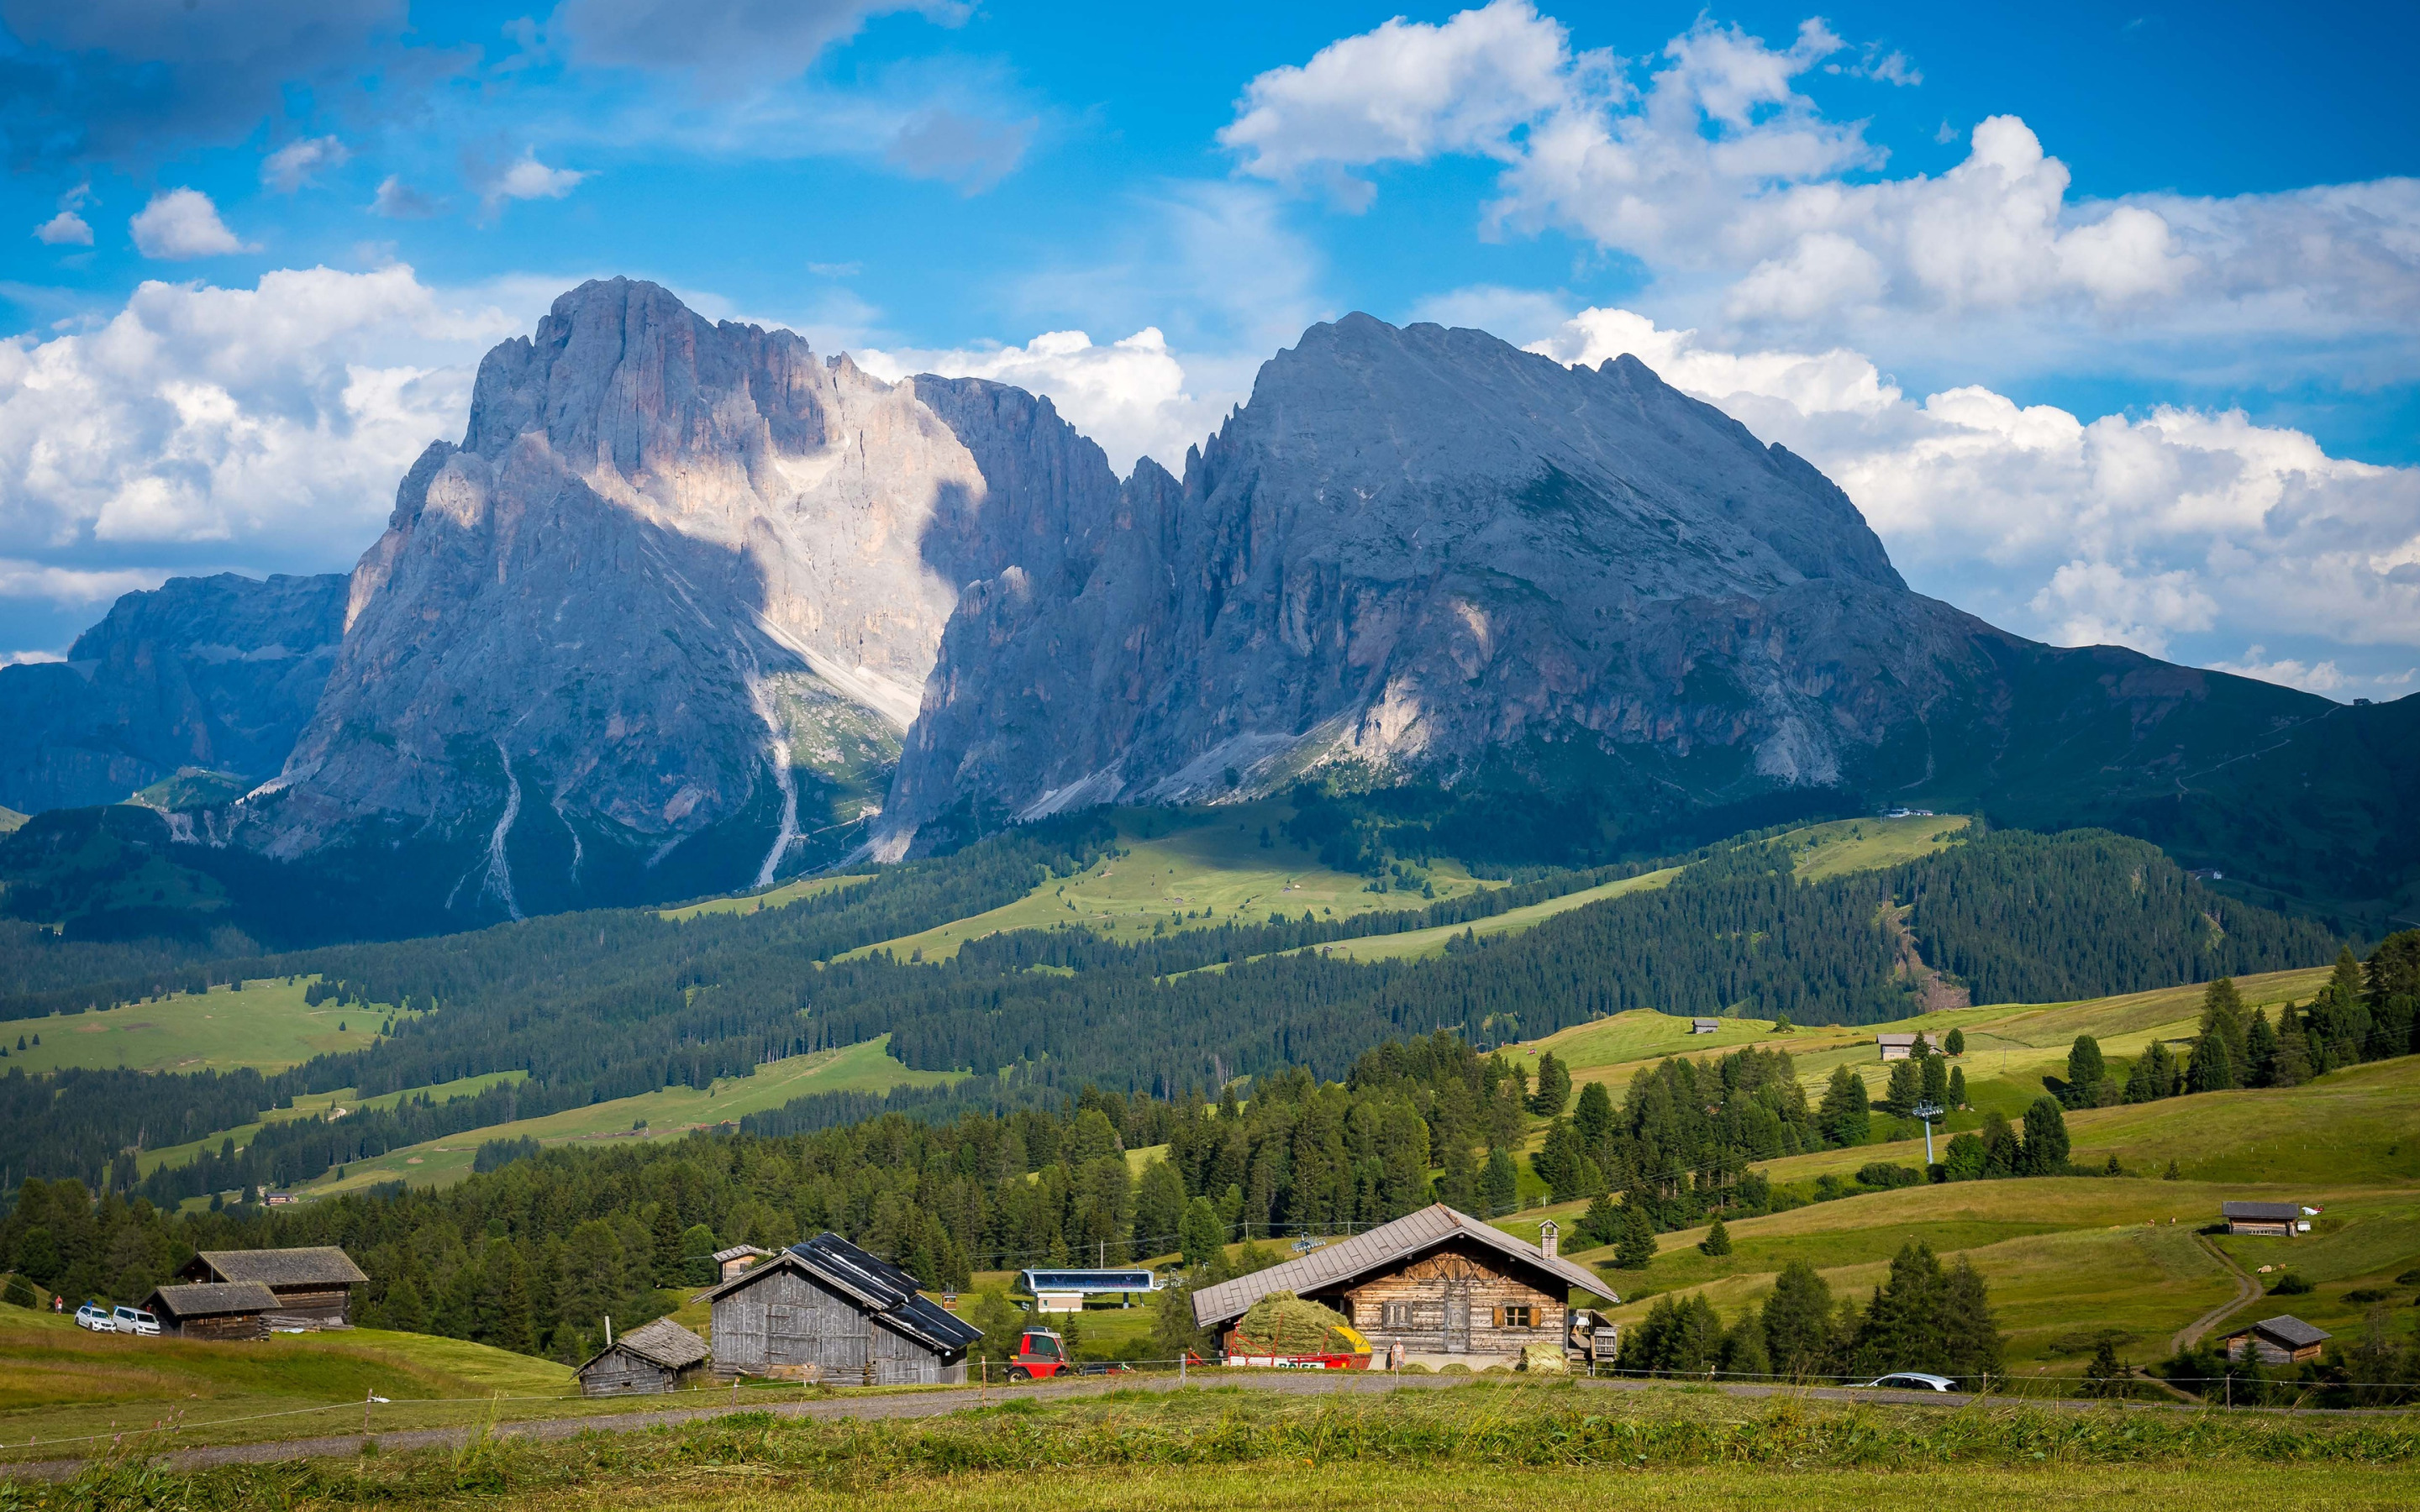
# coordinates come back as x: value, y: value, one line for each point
x: 134, y: 1320
x: 93, y: 1315
x: 1912, y: 1380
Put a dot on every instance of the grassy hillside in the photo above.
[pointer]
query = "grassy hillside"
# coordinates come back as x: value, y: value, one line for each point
x: 10, y: 820
x: 672, y: 1113
x: 749, y: 903
x: 267, y: 1025
x: 312, y: 1105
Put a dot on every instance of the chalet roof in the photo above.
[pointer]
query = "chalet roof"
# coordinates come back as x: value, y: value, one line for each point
x: 663, y: 1341
x: 723, y: 1256
x: 313, y: 1265
x: 1387, y: 1245
x: 1907, y: 1039
x: 888, y: 1293
x: 2261, y: 1212
x: 211, y: 1298
x: 2287, y: 1329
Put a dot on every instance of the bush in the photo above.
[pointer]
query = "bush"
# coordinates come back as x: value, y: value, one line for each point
x: 1881, y: 1176
x: 20, y: 1293
x: 2290, y: 1285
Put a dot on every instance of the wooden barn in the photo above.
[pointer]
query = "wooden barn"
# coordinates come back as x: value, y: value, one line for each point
x: 213, y: 1309
x: 2275, y: 1220
x: 1446, y: 1287
x: 654, y: 1357
x: 1905, y: 1046
x: 2281, y: 1340
x: 828, y: 1311
x: 313, y: 1286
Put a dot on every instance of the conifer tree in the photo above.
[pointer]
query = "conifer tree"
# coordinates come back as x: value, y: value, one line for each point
x: 1635, y: 1249
x: 1843, y: 1115
x: 1499, y: 1184
x: 2211, y: 1068
x: 1744, y: 1351
x: 1906, y: 1085
x: 1934, y: 1085
x: 2085, y: 1069
x: 2046, y: 1143
x: 2222, y: 1014
x: 1592, y: 1116
x: 1717, y: 1240
x: 1956, y: 1042
x: 2261, y: 1043
x: 2292, y: 1065
x: 1956, y: 1087
x: 1199, y: 1233
x: 1601, y: 1225
x: 2002, y: 1154
x: 1798, y: 1323
x: 1554, y: 1087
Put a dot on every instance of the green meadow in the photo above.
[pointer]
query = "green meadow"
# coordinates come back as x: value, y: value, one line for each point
x: 267, y: 1025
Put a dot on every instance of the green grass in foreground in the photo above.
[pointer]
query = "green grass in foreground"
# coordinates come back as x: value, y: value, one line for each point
x: 671, y: 1112
x: 267, y: 1025
x: 1499, y: 1445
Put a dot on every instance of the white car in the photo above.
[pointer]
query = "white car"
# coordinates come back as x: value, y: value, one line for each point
x: 134, y: 1320
x: 1911, y: 1381
x: 93, y: 1315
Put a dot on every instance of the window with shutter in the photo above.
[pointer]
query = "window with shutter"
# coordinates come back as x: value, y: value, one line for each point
x: 1500, y: 1318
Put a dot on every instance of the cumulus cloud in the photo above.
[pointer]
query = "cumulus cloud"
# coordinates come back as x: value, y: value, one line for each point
x: 182, y: 224
x: 2319, y: 677
x: 1747, y: 204
x: 1124, y: 395
x: 2167, y: 531
x: 299, y: 163
x: 263, y: 427
x: 527, y: 178
x: 64, y: 229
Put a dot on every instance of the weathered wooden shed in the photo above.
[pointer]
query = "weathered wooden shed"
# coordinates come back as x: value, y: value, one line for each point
x: 653, y: 1357
x: 826, y: 1310
x: 2276, y: 1220
x: 314, y: 1284
x: 2281, y: 1340
x: 213, y: 1309
x: 1444, y: 1285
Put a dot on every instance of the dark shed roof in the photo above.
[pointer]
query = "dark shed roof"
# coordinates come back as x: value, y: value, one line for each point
x: 2261, y: 1212
x: 887, y: 1292
x: 664, y: 1342
x: 323, y: 1265
x: 1380, y: 1249
x: 211, y: 1298
x: 2287, y: 1329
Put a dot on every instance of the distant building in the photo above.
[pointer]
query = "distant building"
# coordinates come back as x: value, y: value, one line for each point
x: 1063, y: 1291
x: 1705, y: 1025
x: 1900, y: 1046
x: 730, y: 1263
x: 2275, y: 1220
x: 654, y: 1357
x: 1446, y: 1287
x: 313, y: 1286
x: 213, y: 1309
x: 2282, y: 1341
x: 828, y: 1311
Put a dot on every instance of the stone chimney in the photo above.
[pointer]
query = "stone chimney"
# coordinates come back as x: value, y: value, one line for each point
x: 1548, y: 1237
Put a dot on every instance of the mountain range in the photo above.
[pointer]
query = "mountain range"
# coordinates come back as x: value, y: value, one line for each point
x: 693, y: 608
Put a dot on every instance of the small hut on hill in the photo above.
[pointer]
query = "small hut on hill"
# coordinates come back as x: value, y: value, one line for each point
x: 654, y: 1357
x: 213, y: 1309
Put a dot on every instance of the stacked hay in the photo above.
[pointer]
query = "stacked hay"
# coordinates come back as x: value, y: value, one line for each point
x: 1283, y: 1324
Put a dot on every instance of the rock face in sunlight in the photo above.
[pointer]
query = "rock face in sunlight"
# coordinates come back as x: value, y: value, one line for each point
x: 216, y: 673
x: 1425, y: 552
x: 658, y: 624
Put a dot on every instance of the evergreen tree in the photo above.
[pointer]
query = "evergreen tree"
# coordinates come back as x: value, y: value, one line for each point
x: 2002, y: 1154
x: 1901, y: 1328
x: 1173, y: 1331
x: 1499, y: 1184
x: 2085, y: 1069
x: 1159, y: 1206
x: 1956, y: 1042
x: 2152, y: 1075
x: 1956, y: 1087
x: 1973, y: 1347
x: 1593, y: 1114
x: 2222, y: 1014
x: 1798, y: 1323
x: 1744, y: 1351
x: 1635, y: 1249
x: 2261, y: 1044
x: 2340, y: 1015
x: 1457, y: 1182
x: 1553, y: 1087
x: 1559, y: 1159
x: 1601, y: 1225
x: 2106, y: 1376
x: 1934, y: 1087
x: 667, y: 1254
x: 1905, y: 1086
x: 2292, y: 1065
x: 1843, y: 1115
x: 1717, y: 1240
x: 1200, y: 1234
x: 2391, y: 980
x: 2046, y: 1144
x: 2212, y: 1068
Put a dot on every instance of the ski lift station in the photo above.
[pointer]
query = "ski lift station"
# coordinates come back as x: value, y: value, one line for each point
x: 1064, y: 1291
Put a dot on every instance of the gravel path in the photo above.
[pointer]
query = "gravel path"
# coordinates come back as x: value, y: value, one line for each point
x: 2246, y: 1290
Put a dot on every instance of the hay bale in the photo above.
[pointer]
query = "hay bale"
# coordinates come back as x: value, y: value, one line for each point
x: 1544, y: 1360
x: 1282, y: 1323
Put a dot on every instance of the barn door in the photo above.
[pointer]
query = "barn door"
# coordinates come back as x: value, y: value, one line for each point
x: 1457, y: 1318
x: 786, y: 1330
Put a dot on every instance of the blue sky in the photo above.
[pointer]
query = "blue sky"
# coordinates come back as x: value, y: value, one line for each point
x: 2109, y: 319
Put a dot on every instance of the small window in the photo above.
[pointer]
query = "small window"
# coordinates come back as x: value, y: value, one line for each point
x: 1395, y: 1315
x: 1519, y: 1315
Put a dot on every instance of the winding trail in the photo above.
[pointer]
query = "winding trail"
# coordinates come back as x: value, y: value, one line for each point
x: 2246, y: 1290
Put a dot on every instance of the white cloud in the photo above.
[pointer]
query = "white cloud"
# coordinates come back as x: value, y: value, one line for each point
x: 64, y: 229
x: 2164, y: 532
x: 1128, y: 396
x: 399, y: 201
x: 297, y: 163
x: 270, y: 424
x: 182, y: 224
x: 1748, y: 205
x: 528, y: 178
x: 2322, y: 677
x: 722, y: 40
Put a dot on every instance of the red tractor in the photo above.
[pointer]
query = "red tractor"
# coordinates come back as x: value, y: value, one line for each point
x: 1040, y: 1353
